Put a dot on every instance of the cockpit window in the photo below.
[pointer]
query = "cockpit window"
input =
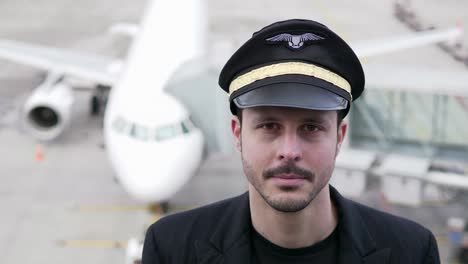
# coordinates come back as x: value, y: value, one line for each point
x: 120, y: 125
x: 185, y: 129
x: 187, y: 126
x: 140, y: 132
x: 165, y: 132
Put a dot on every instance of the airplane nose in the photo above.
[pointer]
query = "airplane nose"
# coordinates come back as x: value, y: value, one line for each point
x: 152, y: 146
x: 157, y: 184
x: 153, y: 172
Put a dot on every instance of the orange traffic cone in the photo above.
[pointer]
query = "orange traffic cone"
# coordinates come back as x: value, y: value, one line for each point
x: 39, y: 153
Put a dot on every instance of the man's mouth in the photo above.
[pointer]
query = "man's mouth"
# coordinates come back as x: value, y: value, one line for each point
x: 288, y: 176
x: 288, y: 179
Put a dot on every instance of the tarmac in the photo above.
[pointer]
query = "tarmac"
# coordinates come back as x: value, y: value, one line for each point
x: 60, y: 201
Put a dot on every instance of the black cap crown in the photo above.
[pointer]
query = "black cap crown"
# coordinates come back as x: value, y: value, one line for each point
x: 293, y: 63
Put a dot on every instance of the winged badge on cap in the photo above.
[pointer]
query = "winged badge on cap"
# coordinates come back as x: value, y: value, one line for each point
x: 295, y: 41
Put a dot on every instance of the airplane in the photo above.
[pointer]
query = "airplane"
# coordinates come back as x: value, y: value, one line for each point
x: 152, y: 144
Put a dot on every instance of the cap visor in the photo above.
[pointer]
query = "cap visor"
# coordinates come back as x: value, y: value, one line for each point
x: 297, y: 95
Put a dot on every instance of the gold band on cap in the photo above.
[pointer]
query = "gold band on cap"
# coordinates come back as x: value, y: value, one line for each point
x: 284, y: 68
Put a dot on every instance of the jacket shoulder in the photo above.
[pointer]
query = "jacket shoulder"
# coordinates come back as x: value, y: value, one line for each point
x: 172, y: 238
x: 388, y: 223
x: 409, y: 240
x: 195, y: 218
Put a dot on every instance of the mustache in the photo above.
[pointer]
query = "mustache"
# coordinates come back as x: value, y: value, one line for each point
x: 288, y: 168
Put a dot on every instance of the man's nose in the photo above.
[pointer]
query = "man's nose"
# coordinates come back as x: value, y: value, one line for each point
x: 290, y: 148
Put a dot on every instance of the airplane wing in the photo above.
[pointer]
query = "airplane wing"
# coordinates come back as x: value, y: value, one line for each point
x: 91, y: 67
x: 416, y: 79
x: 125, y: 29
x: 415, y: 39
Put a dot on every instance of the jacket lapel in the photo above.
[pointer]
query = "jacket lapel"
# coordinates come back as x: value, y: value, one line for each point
x: 230, y: 241
x: 352, y: 256
x: 356, y: 243
x: 378, y: 257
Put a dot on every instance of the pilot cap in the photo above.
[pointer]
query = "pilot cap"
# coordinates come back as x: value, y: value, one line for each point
x: 293, y: 63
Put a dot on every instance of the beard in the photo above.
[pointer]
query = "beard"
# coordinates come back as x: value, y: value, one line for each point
x: 283, y: 204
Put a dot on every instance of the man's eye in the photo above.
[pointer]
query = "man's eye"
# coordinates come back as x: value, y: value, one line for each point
x: 270, y: 126
x: 310, y: 128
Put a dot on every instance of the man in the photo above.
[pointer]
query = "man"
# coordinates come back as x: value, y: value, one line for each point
x: 289, y: 88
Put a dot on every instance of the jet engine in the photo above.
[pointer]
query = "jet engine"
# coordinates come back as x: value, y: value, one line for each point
x: 47, y: 111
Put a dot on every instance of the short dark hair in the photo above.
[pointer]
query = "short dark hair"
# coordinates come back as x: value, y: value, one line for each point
x: 340, y: 115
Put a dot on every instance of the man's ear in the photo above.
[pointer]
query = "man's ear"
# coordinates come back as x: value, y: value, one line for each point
x: 342, y: 128
x: 236, y: 131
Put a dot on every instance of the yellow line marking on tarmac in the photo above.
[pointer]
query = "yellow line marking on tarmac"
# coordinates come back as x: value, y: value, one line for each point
x: 92, y: 243
x: 113, y: 208
x: 156, y: 215
x: 126, y: 208
x: 182, y: 208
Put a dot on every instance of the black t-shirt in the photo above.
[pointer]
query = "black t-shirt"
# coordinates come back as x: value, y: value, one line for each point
x: 323, y: 252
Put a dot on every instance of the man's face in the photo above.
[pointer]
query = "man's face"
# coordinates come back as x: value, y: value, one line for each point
x: 288, y: 154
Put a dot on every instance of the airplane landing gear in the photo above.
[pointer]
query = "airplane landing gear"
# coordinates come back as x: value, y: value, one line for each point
x: 95, y: 106
x: 165, y: 207
x: 99, y: 100
x: 160, y: 208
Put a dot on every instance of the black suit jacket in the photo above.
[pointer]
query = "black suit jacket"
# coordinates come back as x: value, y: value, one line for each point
x: 220, y: 233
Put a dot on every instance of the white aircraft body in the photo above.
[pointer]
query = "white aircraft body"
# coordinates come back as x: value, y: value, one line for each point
x: 151, y: 142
